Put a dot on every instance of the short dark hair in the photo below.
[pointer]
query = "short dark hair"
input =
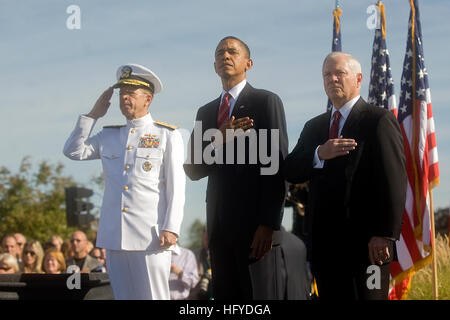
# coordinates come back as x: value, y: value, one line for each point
x: 244, y: 45
x: 8, y: 235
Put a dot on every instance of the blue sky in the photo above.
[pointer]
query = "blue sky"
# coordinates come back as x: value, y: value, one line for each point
x: 51, y: 74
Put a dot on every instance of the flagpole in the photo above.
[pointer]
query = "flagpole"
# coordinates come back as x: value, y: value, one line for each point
x: 433, y: 248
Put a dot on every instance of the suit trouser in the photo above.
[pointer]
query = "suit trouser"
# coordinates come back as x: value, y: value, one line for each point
x: 351, y: 278
x: 139, y: 275
x: 230, y: 273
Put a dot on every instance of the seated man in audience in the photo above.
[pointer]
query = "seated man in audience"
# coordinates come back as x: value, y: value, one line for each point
x: 81, y: 258
x: 20, y: 240
x: 9, y: 245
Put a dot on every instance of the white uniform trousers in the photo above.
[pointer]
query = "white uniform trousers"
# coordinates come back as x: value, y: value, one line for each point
x: 139, y: 275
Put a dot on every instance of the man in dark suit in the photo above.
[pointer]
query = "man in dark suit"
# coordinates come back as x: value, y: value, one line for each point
x: 283, y: 274
x: 245, y: 192
x: 353, y: 158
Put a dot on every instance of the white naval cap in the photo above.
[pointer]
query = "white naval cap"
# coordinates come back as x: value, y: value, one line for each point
x: 137, y: 75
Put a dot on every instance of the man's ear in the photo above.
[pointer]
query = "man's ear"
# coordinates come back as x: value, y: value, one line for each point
x: 249, y: 64
x: 359, y: 79
x: 149, y: 99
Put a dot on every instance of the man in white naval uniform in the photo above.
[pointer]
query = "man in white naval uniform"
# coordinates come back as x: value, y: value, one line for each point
x: 143, y: 200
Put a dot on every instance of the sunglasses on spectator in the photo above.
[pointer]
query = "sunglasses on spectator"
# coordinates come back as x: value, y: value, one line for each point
x: 32, y: 253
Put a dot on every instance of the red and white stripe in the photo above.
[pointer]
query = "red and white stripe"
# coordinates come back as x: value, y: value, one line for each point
x: 392, y: 105
x: 414, y: 247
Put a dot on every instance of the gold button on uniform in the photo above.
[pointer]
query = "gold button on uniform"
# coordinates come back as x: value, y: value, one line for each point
x: 133, y: 131
x: 125, y: 209
x: 125, y: 188
x: 127, y: 167
x: 129, y: 147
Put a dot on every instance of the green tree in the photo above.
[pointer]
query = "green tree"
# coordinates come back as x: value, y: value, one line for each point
x: 441, y: 221
x: 195, y: 234
x: 34, y: 203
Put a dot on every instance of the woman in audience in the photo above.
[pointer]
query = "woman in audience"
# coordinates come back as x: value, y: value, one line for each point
x: 8, y: 264
x: 32, y: 257
x: 53, y: 262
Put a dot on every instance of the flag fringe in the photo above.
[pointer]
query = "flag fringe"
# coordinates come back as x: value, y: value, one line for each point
x: 409, y: 273
x: 404, y: 290
x: 433, y: 184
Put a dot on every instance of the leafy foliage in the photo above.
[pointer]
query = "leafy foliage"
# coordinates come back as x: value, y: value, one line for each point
x: 195, y: 235
x: 34, y: 204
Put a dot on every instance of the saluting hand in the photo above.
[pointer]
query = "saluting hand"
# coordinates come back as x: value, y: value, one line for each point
x: 102, y: 104
x: 334, y: 148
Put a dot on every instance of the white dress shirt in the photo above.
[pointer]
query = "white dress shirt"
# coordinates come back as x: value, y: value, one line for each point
x: 181, y: 286
x: 234, y: 92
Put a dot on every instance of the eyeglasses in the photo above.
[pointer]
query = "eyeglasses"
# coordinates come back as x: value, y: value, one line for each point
x: 32, y: 253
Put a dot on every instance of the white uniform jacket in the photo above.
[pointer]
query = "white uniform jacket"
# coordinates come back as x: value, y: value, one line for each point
x: 144, y: 180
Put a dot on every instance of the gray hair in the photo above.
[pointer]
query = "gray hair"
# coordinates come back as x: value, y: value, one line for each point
x: 354, y: 64
x: 10, y: 261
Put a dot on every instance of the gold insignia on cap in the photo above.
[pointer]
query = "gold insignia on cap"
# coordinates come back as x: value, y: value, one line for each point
x: 135, y: 82
x: 147, y: 166
x: 125, y: 72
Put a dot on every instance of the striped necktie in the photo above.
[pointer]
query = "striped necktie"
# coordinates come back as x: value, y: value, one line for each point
x: 224, y: 110
x: 334, y: 130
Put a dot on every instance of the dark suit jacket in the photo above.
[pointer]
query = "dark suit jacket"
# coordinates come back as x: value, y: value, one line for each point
x: 238, y: 197
x: 283, y: 273
x: 89, y: 263
x: 357, y: 196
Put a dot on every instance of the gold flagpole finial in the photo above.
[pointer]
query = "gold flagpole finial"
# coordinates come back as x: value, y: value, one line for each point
x: 337, y: 14
x: 381, y: 9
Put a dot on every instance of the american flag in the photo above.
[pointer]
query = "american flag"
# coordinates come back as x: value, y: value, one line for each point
x: 381, y: 87
x: 336, y: 43
x: 416, y: 121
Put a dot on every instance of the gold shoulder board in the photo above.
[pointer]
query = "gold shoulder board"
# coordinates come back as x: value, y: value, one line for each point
x: 166, y: 125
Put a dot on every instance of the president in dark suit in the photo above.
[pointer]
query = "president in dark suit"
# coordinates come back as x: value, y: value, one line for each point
x: 246, y: 188
x: 353, y: 158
